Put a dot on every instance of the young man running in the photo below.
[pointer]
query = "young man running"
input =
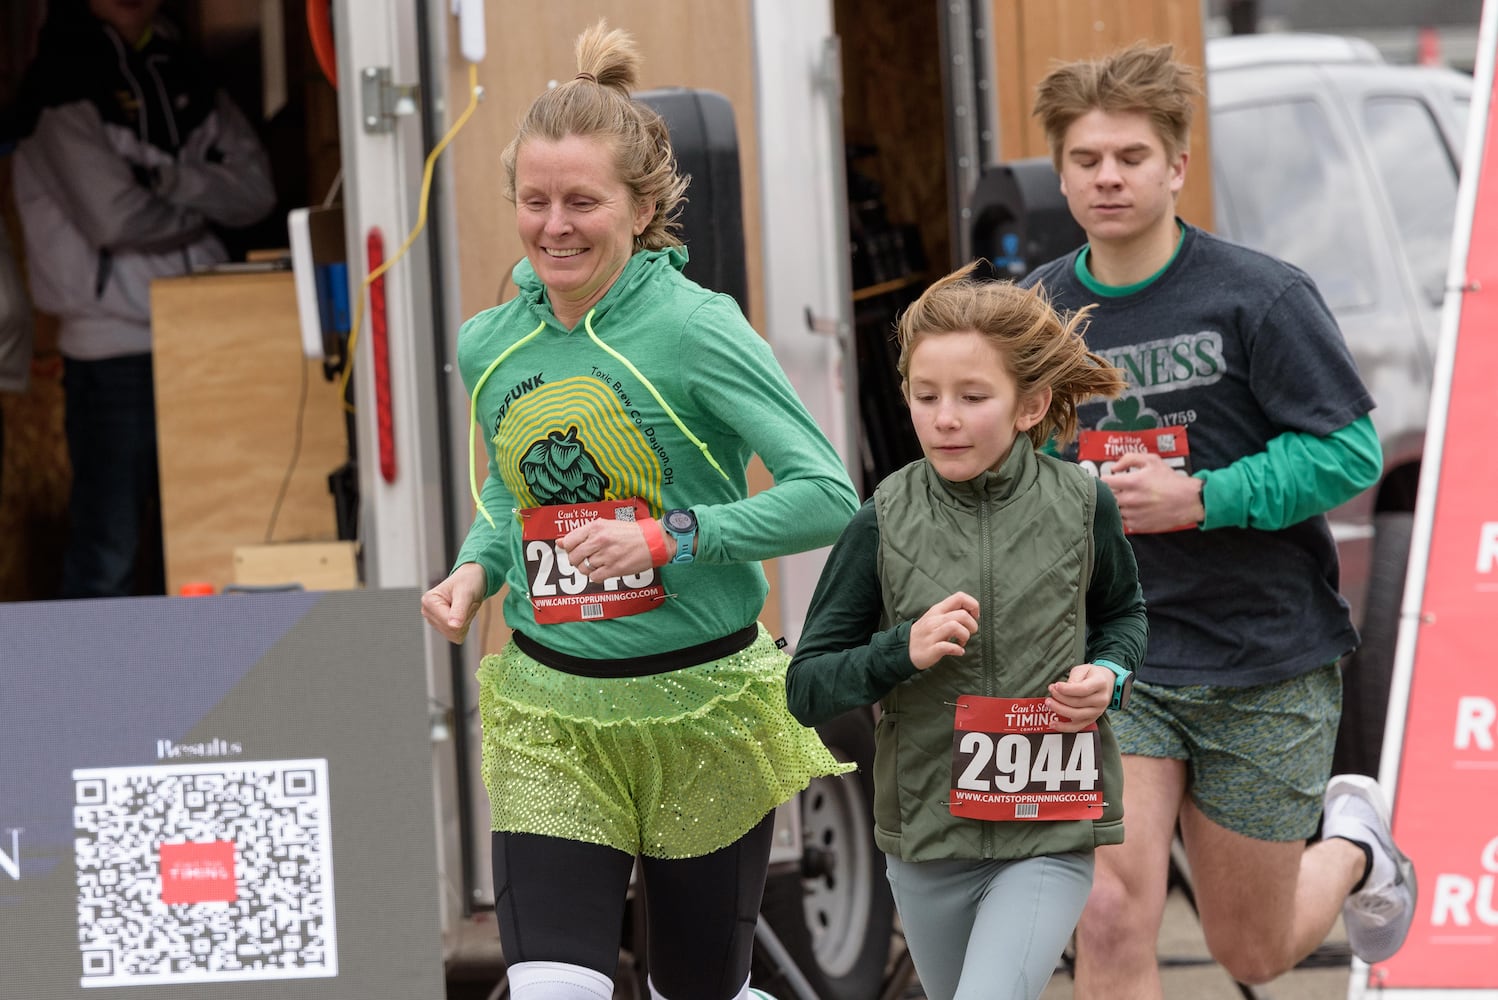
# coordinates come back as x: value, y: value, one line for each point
x: 1244, y: 423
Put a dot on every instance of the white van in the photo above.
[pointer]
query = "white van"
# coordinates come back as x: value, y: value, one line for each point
x: 1327, y: 156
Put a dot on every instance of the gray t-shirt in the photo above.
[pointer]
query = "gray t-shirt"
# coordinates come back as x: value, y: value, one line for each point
x: 1236, y: 347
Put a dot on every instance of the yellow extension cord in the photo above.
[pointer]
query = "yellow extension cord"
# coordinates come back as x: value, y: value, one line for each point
x: 475, y: 94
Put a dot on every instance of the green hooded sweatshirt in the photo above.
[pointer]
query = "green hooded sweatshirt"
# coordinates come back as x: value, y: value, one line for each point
x: 663, y: 392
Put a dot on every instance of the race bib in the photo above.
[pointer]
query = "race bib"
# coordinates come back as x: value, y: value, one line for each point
x: 561, y: 592
x: 1009, y: 763
x: 1098, y: 450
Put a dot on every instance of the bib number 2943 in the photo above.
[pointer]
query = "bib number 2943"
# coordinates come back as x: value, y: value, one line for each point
x: 562, y: 592
x: 1009, y: 763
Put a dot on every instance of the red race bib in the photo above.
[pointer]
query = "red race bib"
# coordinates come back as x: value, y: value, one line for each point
x: 561, y: 592
x: 1098, y: 450
x: 1009, y: 763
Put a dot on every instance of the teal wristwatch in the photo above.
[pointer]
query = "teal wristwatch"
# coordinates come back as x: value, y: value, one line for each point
x: 1123, y: 683
x: 682, y: 526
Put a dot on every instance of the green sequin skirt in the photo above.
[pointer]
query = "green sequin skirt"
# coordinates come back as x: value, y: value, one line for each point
x: 673, y: 765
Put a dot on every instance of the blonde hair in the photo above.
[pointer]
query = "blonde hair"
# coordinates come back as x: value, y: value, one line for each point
x: 597, y: 104
x: 1041, y: 348
x: 1143, y: 78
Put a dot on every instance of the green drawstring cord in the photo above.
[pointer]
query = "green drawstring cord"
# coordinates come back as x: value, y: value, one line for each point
x: 473, y: 402
x: 473, y: 405
x: 588, y: 325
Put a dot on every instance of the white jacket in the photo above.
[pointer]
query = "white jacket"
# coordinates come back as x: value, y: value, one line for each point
x: 131, y: 155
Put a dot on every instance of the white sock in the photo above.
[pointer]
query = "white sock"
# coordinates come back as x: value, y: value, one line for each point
x: 744, y: 993
x: 557, y: 981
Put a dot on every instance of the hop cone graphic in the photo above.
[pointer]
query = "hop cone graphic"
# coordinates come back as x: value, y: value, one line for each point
x: 559, y: 470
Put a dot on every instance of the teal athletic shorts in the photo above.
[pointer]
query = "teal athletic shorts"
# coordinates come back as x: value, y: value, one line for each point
x: 1257, y: 758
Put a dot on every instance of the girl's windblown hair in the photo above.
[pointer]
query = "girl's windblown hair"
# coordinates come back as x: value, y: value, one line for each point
x: 1041, y: 348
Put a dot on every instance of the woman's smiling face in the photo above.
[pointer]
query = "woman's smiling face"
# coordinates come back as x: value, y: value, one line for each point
x: 576, y: 218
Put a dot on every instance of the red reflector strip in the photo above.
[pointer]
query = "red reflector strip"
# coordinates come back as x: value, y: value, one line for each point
x: 379, y: 333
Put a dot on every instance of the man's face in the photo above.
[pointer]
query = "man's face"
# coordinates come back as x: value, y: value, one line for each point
x: 130, y: 18
x: 1117, y: 177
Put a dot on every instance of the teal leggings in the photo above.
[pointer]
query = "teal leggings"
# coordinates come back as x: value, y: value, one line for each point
x: 989, y: 930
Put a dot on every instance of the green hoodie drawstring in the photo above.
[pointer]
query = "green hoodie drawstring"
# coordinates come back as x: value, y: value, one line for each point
x: 588, y: 325
x: 473, y: 402
x: 473, y: 406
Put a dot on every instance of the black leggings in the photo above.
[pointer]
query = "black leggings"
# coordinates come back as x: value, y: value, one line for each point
x: 563, y: 901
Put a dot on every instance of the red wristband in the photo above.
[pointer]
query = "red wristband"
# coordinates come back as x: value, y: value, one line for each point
x: 656, y: 540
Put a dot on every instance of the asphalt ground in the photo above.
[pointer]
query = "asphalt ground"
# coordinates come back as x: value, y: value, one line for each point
x: 1186, y: 970
x: 1188, y: 973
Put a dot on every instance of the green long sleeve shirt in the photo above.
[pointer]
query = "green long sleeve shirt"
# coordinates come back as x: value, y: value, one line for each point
x: 844, y: 660
x: 1296, y: 476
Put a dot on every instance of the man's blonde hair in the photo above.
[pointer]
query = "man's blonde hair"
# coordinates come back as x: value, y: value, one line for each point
x: 1142, y: 78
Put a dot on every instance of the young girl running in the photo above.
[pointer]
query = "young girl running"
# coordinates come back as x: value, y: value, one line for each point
x: 986, y: 597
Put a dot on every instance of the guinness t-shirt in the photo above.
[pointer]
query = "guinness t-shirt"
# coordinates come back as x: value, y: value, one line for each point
x: 1224, y: 350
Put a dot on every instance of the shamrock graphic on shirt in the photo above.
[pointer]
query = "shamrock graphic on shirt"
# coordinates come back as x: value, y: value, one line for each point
x: 1130, y: 414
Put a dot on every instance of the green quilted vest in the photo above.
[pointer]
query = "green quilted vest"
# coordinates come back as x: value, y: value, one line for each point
x: 1019, y: 540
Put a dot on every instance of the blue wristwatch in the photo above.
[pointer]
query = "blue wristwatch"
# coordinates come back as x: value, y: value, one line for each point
x: 681, y: 525
x: 1123, y: 683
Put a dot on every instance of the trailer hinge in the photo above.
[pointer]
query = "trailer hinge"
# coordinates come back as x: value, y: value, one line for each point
x: 384, y: 101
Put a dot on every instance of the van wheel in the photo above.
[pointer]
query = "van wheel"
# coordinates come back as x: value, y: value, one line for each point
x: 1367, y: 672
x: 836, y: 917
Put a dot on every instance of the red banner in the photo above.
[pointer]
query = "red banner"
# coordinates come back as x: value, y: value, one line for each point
x: 1446, y: 803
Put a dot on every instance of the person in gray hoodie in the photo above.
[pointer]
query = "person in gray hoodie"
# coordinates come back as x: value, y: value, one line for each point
x: 128, y: 158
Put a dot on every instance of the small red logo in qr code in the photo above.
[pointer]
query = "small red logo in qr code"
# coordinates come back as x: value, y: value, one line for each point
x: 198, y: 872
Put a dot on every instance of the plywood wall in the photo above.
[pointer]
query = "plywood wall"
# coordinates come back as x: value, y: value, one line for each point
x: 893, y: 104
x: 1029, y: 36
x: 244, y: 452
x: 705, y: 45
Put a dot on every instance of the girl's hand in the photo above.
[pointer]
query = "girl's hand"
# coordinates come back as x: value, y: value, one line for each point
x: 944, y: 630
x: 450, y: 606
x: 1082, y: 697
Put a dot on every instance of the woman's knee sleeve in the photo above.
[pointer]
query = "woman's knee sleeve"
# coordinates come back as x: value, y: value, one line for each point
x: 557, y: 981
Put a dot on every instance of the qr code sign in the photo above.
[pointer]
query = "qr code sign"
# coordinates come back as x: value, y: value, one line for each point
x: 196, y: 873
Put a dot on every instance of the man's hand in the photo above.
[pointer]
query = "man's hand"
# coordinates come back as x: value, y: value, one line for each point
x: 1153, y: 497
x: 944, y: 630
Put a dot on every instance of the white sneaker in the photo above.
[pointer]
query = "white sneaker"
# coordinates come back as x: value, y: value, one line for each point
x: 759, y: 995
x: 1379, y: 915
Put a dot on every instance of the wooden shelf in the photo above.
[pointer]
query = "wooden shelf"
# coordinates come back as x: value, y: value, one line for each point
x: 885, y: 287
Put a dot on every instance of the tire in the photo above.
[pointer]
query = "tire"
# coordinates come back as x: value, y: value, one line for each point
x: 1367, y: 673
x: 836, y: 920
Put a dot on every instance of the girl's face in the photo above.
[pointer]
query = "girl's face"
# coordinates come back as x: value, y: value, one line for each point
x: 965, y: 405
x: 576, y: 219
